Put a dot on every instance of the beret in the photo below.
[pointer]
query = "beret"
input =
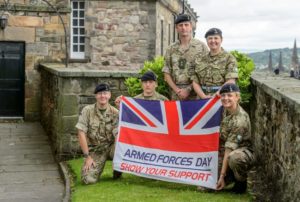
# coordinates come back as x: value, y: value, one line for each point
x: 229, y: 87
x: 213, y: 31
x: 149, y: 76
x: 182, y: 18
x: 101, y: 87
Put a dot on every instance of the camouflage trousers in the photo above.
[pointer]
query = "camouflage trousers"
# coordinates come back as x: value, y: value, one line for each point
x: 100, y: 157
x: 240, y: 161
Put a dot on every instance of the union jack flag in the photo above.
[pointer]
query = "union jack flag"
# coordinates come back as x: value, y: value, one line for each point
x: 167, y: 125
x: 174, y: 141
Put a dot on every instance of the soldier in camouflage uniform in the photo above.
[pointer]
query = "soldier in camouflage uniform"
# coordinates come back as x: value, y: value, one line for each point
x: 215, y: 68
x: 149, y: 84
x: 235, y: 131
x: 97, y: 128
x: 179, y: 60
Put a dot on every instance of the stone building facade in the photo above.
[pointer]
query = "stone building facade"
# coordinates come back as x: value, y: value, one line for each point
x: 104, y: 35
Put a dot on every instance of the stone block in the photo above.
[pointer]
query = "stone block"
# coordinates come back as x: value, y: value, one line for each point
x: 54, y: 29
x: 54, y: 19
x: 123, y: 86
x: 64, y: 142
x: 51, y: 39
x: 68, y: 124
x: 71, y: 86
x: 113, y: 83
x: 25, y: 21
x: 18, y: 34
x: 38, y: 48
x: 33, y: 76
x: 134, y: 19
x: 29, y: 62
x: 29, y: 91
x: 69, y: 105
x: 32, y: 104
x: 32, y: 116
x: 85, y: 99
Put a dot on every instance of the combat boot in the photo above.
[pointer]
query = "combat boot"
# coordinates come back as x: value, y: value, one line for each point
x: 117, y: 174
x: 239, y: 187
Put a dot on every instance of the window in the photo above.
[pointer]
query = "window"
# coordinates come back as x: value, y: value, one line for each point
x: 77, y: 30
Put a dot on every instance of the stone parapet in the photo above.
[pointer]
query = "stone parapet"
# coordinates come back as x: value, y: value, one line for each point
x: 61, y: 71
x: 275, y: 117
x: 65, y: 91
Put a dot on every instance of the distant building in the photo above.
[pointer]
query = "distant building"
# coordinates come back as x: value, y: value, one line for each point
x: 295, y: 61
x: 280, y: 65
x: 270, y: 65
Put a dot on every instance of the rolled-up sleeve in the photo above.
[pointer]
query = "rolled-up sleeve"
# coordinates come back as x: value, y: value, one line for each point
x: 167, y: 66
x: 82, y: 123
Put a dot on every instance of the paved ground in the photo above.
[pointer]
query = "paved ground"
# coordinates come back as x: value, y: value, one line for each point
x: 28, y: 172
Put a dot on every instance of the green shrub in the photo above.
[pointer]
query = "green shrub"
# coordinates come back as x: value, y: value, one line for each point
x: 134, y: 85
x: 245, y: 68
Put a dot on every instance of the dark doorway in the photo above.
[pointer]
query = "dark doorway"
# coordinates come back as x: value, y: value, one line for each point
x: 12, y: 71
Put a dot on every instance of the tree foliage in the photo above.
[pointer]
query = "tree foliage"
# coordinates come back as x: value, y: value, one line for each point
x: 156, y: 65
x: 245, y: 68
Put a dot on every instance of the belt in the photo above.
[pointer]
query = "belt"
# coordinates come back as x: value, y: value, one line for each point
x: 210, y: 89
x: 181, y: 85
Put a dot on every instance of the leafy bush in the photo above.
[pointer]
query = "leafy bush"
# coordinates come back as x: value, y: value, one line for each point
x: 245, y: 68
x: 134, y: 86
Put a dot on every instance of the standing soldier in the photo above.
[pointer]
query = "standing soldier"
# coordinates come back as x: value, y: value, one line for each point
x: 97, y: 129
x: 179, y: 59
x: 214, y: 68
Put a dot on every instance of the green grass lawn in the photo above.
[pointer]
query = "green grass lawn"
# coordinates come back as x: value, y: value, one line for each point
x: 136, y: 189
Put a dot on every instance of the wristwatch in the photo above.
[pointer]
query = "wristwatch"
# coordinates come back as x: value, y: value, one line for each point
x: 85, y: 155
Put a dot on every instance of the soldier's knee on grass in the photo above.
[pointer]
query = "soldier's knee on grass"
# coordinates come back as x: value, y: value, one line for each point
x: 89, y: 180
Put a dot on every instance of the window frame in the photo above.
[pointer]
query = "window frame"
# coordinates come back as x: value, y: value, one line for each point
x: 80, y: 27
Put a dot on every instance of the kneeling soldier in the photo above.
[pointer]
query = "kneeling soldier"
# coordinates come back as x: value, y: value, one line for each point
x: 97, y: 129
x: 235, y: 132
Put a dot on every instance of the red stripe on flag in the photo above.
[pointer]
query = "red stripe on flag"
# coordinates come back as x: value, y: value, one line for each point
x: 172, y: 118
x: 202, y: 113
x: 178, y: 143
x: 139, y: 112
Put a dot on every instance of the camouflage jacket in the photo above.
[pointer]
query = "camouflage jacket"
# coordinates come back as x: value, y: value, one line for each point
x: 179, y: 61
x: 214, y: 70
x: 235, y: 130
x: 101, y: 128
x: 155, y: 96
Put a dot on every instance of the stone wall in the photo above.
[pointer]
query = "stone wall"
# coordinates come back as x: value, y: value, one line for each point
x: 120, y: 33
x: 275, y: 121
x: 40, y: 28
x: 65, y: 92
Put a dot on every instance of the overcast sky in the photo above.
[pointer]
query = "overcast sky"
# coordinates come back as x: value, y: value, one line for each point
x: 250, y: 24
